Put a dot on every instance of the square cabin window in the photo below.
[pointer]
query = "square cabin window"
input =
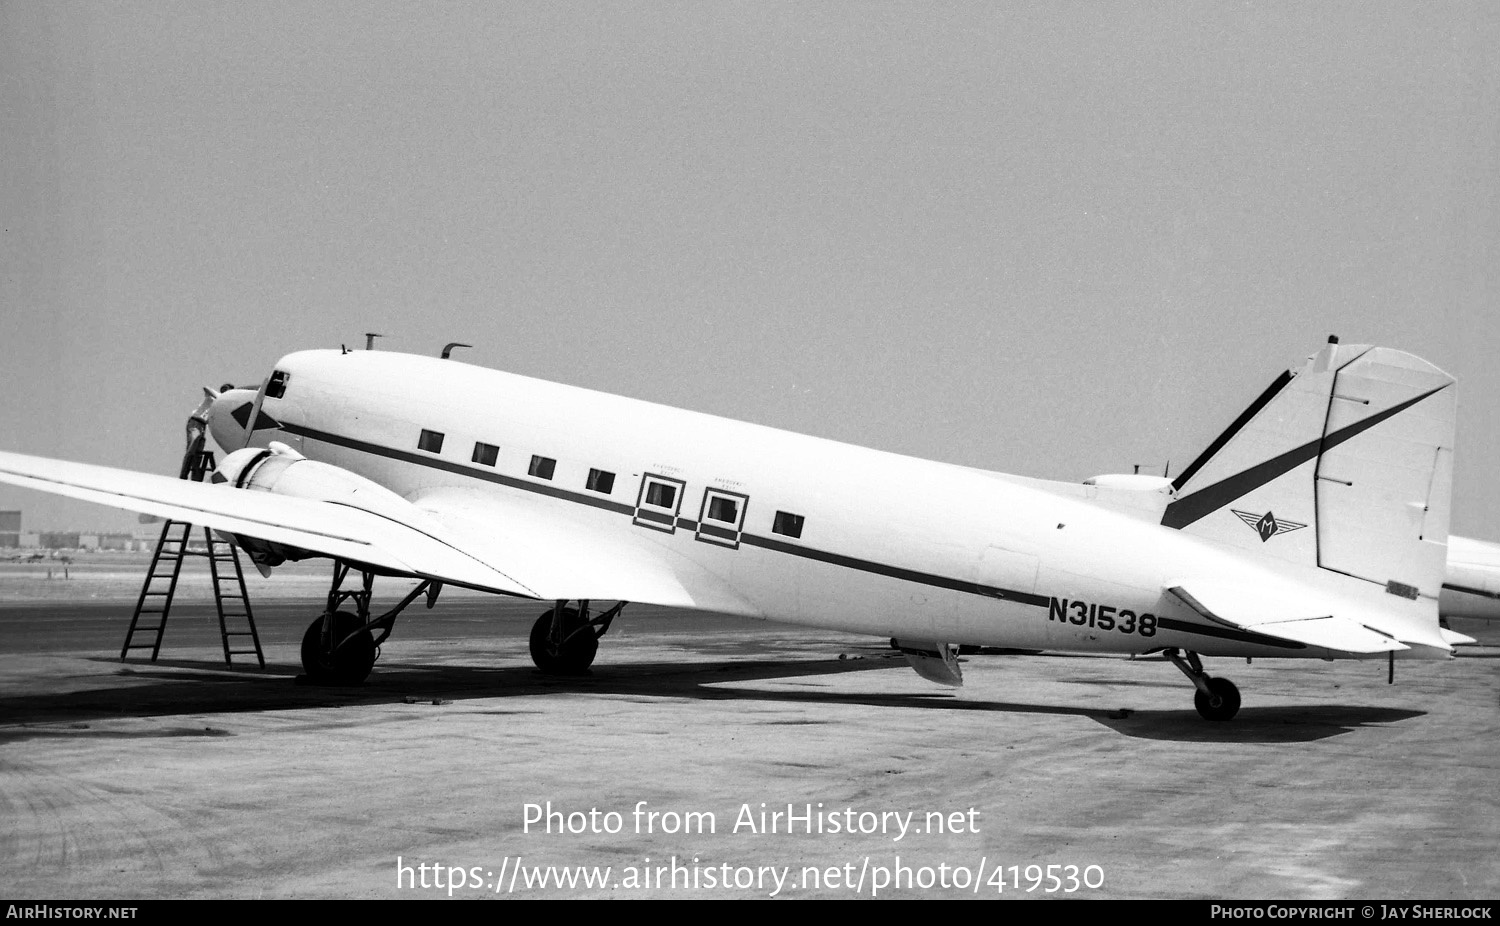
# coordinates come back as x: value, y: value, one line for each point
x: 600, y: 481
x: 486, y: 454
x: 723, y: 509
x: 661, y: 495
x: 430, y: 441
x: 542, y: 467
x: 788, y: 524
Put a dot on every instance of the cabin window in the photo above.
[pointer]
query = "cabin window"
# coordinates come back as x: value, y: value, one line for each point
x: 788, y: 524
x: 486, y: 454
x: 657, y: 504
x: 600, y: 481
x: 276, y: 385
x: 722, y: 517
x: 661, y: 495
x: 542, y: 467
x: 430, y: 441
x: 723, y: 509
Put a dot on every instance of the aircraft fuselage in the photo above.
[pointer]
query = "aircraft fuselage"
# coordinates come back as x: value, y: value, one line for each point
x: 773, y: 524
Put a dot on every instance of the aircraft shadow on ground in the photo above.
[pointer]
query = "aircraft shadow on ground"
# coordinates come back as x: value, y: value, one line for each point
x: 163, y: 689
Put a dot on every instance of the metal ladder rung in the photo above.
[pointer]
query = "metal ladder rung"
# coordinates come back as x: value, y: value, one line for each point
x: 174, y: 545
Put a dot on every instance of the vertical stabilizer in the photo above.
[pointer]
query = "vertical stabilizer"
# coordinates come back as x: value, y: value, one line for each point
x: 1346, y: 465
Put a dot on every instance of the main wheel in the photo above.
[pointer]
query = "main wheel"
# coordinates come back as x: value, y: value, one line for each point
x: 576, y: 652
x: 1222, y: 703
x: 349, y: 664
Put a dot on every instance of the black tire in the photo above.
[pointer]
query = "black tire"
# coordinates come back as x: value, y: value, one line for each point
x: 1224, y: 702
x: 350, y: 664
x: 574, y: 655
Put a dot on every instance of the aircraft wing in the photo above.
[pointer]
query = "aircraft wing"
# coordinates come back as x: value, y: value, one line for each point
x: 572, y: 552
x: 460, y: 536
x: 330, y: 528
x: 1275, y: 616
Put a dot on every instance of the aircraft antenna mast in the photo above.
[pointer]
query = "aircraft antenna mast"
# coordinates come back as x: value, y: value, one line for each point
x: 452, y: 344
x: 370, y: 337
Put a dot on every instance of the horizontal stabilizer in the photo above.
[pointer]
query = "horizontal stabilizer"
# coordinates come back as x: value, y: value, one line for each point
x: 1454, y: 638
x: 1256, y: 612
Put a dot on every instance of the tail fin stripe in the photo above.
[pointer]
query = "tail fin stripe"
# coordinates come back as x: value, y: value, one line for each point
x: 1205, y: 501
x: 1233, y: 429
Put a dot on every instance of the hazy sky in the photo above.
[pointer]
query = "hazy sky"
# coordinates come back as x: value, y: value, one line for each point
x: 1046, y: 238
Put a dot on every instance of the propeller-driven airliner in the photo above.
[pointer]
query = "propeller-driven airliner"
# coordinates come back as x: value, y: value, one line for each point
x: 1315, y: 526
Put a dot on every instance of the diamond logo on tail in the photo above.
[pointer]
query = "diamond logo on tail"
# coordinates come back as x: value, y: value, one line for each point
x: 1267, y: 525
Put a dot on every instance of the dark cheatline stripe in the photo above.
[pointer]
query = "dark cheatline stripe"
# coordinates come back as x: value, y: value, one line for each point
x: 1226, y: 633
x: 407, y: 456
x: 895, y: 572
x: 766, y: 543
x: 1254, y: 409
x: 837, y: 559
x: 1205, y: 501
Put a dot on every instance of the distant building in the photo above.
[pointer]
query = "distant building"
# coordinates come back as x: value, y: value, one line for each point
x: 10, y: 529
x: 58, y: 540
x: 87, y: 540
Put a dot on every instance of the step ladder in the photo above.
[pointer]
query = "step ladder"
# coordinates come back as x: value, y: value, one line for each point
x: 231, y: 599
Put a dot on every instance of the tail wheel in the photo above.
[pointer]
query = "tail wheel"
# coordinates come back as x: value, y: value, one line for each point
x: 349, y: 664
x: 574, y: 654
x: 1221, y: 703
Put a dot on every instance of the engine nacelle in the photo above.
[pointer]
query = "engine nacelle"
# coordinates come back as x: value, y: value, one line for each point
x: 283, y: 471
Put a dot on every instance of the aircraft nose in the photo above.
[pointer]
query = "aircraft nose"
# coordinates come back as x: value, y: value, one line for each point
x: 229, y: 418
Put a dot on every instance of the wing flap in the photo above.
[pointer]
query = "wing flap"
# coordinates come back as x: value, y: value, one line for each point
x: 1255, y: 611
x: 329, y: 528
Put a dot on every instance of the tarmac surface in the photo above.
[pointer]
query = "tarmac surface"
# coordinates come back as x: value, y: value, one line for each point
x: 187, y: 778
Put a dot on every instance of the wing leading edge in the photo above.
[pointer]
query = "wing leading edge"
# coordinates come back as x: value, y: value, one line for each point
x: 457, y: 536
x: 329, y: 528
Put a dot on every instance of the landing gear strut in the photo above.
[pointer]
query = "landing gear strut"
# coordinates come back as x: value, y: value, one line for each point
x: 339, y: 648
x: 1216, y: 698
x: 564, y: 640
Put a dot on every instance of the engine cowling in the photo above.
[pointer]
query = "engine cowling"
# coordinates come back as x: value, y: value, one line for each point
x: 283, y: 471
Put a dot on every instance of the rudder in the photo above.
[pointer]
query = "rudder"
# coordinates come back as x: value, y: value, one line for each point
x: 1346, y: 465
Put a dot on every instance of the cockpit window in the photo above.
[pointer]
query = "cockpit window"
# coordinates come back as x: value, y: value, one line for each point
x: 276, y: 386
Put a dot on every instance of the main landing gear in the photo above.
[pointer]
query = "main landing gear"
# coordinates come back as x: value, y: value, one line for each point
x: 339, y: 647
x: 564, y: 640
x: 1216, y: 698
